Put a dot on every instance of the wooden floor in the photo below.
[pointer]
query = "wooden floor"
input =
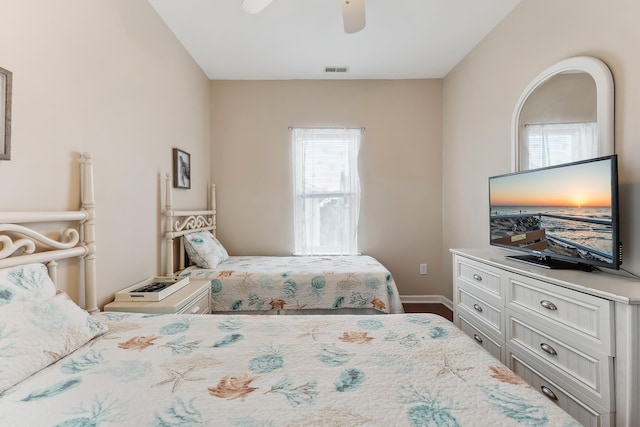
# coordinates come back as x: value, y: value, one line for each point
x: 429, y: 308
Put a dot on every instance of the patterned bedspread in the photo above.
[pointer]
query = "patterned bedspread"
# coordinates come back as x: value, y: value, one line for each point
x: 261, y: 283
x: 243, y: 370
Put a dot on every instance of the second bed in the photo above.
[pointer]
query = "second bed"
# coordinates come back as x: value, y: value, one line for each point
x: 275, y: 284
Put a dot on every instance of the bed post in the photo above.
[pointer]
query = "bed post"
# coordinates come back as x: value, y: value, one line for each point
x: 168, y: 212
x: 52, y: 270
x: 212, y: 207
x: 89, y: 231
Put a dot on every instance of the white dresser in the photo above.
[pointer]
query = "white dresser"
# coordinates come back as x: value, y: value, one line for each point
x: 573, y: 335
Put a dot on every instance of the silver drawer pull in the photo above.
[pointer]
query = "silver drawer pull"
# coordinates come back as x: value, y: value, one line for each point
x: 477, y: 277
x: 548, y: 305
x: 550, y: 394
x: 548, y: 349
x: 477, y: 308
x: 477, y: 338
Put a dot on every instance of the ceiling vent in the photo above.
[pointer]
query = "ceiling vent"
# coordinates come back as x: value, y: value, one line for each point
x: 336, y: 69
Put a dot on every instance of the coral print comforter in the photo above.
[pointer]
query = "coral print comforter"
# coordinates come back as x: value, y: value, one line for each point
x: 242, y: 370
x: 261, y: 283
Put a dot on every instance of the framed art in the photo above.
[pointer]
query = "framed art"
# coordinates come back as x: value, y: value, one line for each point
x: 181, y: 169
x: 5, y: 114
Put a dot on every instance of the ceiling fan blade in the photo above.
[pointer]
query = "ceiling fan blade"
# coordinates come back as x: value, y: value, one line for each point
x: 255, y: 6
x: 353, y: 15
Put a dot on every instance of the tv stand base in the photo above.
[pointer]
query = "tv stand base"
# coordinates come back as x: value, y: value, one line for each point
x: 550, y: 263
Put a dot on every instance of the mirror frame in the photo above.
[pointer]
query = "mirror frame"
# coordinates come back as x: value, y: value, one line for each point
x: 601, y: 74
x: 5, y: 122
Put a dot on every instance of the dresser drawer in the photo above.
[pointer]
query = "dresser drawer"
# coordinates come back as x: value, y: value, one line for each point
x: 582, y: 319
x: 590, y: 373
x: 199, y: 305
x: 489, y: 314
x: 582, y: 413
x: 494, y: 347
x: 481, y: 276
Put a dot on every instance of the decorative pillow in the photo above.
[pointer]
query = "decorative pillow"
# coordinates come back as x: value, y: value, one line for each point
x: 204, y: 249
x: 25, y: 282
x: 37, y: 332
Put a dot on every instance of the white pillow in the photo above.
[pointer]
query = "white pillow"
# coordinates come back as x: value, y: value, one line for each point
x: 38, y: 332
x: 25, y: 282
x: 204, y: 249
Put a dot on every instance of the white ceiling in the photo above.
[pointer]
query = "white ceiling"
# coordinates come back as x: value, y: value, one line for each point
x: 297, y: 39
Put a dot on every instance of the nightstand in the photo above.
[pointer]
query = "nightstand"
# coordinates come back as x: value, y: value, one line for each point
x: 192, y: 299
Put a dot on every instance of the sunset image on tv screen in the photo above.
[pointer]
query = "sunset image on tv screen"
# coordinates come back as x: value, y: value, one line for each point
x: 565, y: 210
x: 583, y: 185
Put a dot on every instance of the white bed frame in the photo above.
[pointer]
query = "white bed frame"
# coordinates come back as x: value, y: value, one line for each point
x: 21, y: 243
x: 179, y: 223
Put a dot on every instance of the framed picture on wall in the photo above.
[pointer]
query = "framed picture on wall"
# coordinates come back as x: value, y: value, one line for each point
x: 181, y: 169
x: 5, y: 114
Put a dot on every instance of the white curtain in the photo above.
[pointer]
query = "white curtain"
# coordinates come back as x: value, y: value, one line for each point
x: 557, y: 143
x: 326, y: 191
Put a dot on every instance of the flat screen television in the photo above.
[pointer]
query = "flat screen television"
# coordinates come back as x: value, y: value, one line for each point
x: 563, y: 216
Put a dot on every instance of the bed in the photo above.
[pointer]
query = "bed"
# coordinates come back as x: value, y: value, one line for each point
x: 274, y: 284
x: 62, y: 366
x: 243, y: 370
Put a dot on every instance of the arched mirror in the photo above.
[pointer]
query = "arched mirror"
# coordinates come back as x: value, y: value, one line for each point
x: 564, y: 115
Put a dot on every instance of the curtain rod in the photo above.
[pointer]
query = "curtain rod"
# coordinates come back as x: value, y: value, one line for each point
x: 557, y: 123
x: 323, y: 127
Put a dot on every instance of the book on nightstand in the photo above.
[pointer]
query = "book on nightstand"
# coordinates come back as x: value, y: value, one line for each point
x: 153, y: 289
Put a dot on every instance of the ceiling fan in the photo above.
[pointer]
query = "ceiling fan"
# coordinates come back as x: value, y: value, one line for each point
x: 353, y: 14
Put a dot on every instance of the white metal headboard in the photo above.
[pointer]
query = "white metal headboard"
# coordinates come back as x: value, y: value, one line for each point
x: 179, y: 223
x: 21, y: 244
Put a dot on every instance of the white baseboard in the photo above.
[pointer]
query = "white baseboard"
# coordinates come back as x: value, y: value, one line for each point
x: 427, y: 299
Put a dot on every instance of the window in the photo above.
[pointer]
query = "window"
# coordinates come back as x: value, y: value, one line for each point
x: 326, y: 191
x: 553, y: 144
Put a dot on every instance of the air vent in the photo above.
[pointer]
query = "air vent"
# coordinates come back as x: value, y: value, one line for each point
x: 336, y: 69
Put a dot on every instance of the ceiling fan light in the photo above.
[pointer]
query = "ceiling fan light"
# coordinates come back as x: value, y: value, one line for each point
x: 255, y: 6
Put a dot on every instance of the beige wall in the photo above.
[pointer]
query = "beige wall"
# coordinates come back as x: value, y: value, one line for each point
x: 400, y: 167
x: 480, y: 94
x: 109, y: 78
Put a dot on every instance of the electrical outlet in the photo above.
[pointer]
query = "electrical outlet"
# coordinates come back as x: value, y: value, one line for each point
x: 423, y: 268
